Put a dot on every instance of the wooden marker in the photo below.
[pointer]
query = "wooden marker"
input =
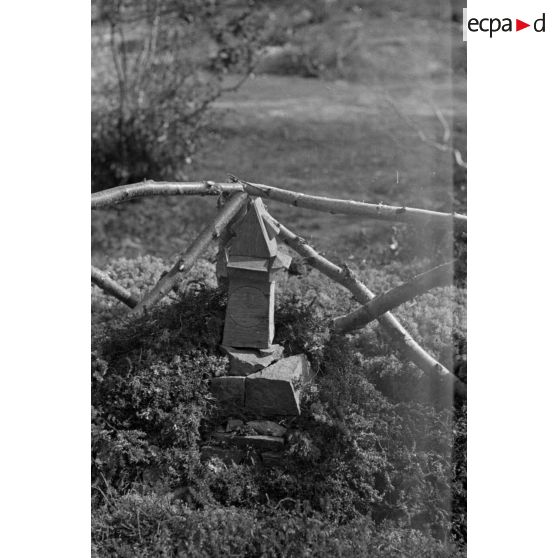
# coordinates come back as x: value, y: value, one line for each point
x: 252, y: 260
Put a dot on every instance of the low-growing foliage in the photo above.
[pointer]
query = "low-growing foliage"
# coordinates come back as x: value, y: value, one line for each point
x: 369, y: 470
x: 138, y: 525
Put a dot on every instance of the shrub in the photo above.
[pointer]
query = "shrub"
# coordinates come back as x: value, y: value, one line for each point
x: 150, y: 393
x: 146, y: 417
x: 159, y: 67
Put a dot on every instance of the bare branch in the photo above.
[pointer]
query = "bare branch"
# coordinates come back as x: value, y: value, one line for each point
x: 146, y: 54
x: 188, y: 257
x: 120, y: 75
x: 397, y: 333
x: 378, y: 211
x: 120, y: 194
x: 111, y: 287
x: 437, y: 277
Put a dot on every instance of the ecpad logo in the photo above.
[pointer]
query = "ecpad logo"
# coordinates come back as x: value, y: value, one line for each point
x: 494, y: 25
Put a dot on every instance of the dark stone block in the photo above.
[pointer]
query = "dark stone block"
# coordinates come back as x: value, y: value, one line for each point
x: 229, y: 392
x: 275, y: 390
x: 271, y: 397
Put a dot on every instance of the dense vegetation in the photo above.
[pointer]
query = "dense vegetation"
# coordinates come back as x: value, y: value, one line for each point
x: 375, y: 466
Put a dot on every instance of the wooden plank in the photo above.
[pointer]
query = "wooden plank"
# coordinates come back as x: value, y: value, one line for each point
x: 249, y: 275
x: 221, y: 262
x: 249, y: 263
x: 281, y: 261
x: 249, y: 317
x: 272, y: 230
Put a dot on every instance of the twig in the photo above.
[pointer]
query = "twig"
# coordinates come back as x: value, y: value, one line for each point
x: 188, y: 257
x: 280, y: 503
x: 443, y: 122
x: 443, y: 147
x: 437, y: 277
x: 150, y: 44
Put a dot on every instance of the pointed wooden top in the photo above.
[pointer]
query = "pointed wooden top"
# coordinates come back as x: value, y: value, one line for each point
x: 253, y: 238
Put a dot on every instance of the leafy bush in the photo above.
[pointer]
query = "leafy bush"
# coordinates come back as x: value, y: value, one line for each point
x: 155, y: 142
x: 159, y: 66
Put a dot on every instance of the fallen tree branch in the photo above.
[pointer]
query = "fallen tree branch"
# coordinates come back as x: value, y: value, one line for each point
x: 188, y: 257
x: 377, y: 211
x: 111, y: 287
x: 438, y: 277
x: 396, y: 332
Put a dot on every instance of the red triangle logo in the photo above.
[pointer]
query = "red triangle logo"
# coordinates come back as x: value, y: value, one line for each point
x: 519, y: 25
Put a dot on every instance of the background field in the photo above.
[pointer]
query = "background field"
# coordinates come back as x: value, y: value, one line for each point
x: 351, y: 133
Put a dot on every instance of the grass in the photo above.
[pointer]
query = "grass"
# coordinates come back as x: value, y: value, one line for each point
x: 342, y: 159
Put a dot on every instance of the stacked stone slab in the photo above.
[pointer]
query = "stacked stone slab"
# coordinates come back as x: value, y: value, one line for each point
x: 244, y: 362
x: 271, y: 390
x: 238, y: 441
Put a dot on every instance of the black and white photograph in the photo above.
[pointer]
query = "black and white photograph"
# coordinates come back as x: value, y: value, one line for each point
x: 251, y: 249
x: 278, y: 278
